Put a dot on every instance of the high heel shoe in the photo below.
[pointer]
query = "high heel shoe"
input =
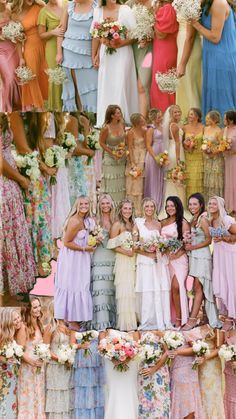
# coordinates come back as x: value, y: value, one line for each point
x: 190, y: 325
x: 228, y: 325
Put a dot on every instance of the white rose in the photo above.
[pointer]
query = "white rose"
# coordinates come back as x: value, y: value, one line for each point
x: 9, y: 352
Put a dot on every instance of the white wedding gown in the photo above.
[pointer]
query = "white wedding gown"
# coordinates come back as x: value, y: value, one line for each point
x: 117, y: 78
x: 152, y: 286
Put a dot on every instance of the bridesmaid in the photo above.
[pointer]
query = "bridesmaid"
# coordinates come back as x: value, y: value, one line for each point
x: 73, y: 301
x: 59, y: 385
x: 200, y: 263
x: 193, y: 131
x: 175, y: 226
x: 213, y: 182
x: 154, y: 174
x: 152, y: 276
x: 154, y: 382
x: 230, y: 380
x: 103, y: 261
x: 9, y: 61
x: 35, y: 92
x: 121, y: 241
x: 18, y: 265
x: 49, y: 29
x: 164, y: 52
x: 112, y: 135
x: 230, y: 162
x: 224, y: 260
x: 136, y: 158
x: 31, y: 383
x: 10, y: 324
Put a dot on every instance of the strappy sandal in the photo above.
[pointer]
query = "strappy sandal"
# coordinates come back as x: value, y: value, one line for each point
x: 228, y: 325
x: 189, y: 326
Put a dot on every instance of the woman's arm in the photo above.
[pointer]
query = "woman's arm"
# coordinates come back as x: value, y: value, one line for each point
x: 174, y: 130
x: 80, y: 150
x: 188, y: 45
x: 47, y: 338
x: 72, y: 229
x: 149, y: 141
x: 130, y: 142
x: 18, y: 130
x: 63, y: 25
x: 102, y: 140
x: 11, y: 173
x: 95, y: 52
x: 46, y: 35
x: 21, y: 339
x: 205, y: 227
x: 115, y: 231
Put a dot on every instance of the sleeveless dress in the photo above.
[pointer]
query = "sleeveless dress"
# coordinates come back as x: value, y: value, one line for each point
x: 179, y: 268
x: 102, y: 286
x: 121, y: 389
x: 218, y: 88
x: 230, y: 173
x: 18, y: 265
x: 189, y: 94
x: 200, y: 266
x: 134, y: 186
x: 152, y: 286
x: 124, y: 271
x: 9, y: 60
x: 35, y: 92
x: 8, y: 390
x: 72, y: 298
x: 59, y: 383
x: 213, y: 181
x: 89, y: 381
x: 77, y: 55
x: 117, y: 79
x: 76, y: 176
x: 31, y: 385
x: 230, y: 386
x: 154, y: 391
x: 194, y: 166
x: 113, y: 171
x: 154, y: 174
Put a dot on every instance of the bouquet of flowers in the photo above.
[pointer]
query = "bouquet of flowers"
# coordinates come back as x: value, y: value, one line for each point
x: 55, y: 157
x: 228, y: 353
x: 167, y: 82
x: 145, y: 21
x: 209, y: 146
x: 119, y: 349
x: 93, y: 142
x: 224, y: 144
x: 12, y: 350
x: 14, y: 32
x: 66, y: 355
x: 42, y: 351
x: 120, y: 150
x: 173, y: 245
x: 135, y: 172
x: 28, y: 164
x: 190, y: 143
x: 149, y: 351
x: 148, y: 245
x: 84, y: 337
x: 218, y: 232
x: 172, y: 340
x: 69, y: 142
x: 24, y: 75
x: 127, y: 243
x: 111, y: 30
x: 56, y: 75
x: 95, y: 236
x: 188, y: 9
x: 200, y: 348
x: 163, y: 159
x: 177, y: 174
x: 188, y: 236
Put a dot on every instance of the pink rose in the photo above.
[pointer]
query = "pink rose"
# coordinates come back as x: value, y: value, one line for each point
x: 116, y: 36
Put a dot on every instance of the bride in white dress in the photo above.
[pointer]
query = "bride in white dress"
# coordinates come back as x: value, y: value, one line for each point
x: 117, y: 78
x: 121, y: 397
x: 152, y: 277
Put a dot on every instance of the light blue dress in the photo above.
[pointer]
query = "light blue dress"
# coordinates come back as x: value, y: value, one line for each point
x: 89, y: 384
x: 76, y: 176
x: 77, y: 55
x: 8, y: 391
x: 219, y: 68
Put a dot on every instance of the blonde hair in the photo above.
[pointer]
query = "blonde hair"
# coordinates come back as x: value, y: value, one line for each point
x: 214, y: 116
x: 17, y: 5
x: 144, y: 202
x: 152, y: 114
x: 99, y: 212
x: 74, y: 210
x: 221, y: 208
x: 27, y: 318
x: 136, y: 118
x: 171, y: 109
x: 119, y: 211
x: 7, y: 325
x: 51, y: 321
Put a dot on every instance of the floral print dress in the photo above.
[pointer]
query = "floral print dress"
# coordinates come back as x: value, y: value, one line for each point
x: 8, y: 389
x: 154, y: 391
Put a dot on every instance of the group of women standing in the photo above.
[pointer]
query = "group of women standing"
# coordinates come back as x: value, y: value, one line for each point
x: 92, y: 387
x: 59, y: 32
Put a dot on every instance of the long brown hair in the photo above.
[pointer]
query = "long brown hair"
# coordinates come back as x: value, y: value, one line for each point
x: 27, y: 318
x: 36, y: 124
x: 119, y: 211
x: 110, y: 111
x: 4, y: 125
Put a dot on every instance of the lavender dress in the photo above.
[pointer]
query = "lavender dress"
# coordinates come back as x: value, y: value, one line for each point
x: 72, y: 300
x: 154, y: 174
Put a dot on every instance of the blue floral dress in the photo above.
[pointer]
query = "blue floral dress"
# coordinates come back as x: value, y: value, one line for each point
x: 8, y: 389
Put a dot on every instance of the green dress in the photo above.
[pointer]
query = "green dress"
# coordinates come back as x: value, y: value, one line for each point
x: 194, y: 166
x: 48, y: 19
x: 213, y: 174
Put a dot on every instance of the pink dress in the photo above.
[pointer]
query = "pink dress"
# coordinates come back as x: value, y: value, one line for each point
x: 224, y: 268
x: 164, y: 55
x: 230, y: 173
x: 9, y: 61
x: 178, y: 268
x: 31, y: 385
x: 230, y: 386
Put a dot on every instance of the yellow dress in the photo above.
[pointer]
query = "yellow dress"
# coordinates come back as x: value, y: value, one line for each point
x: 194, y: 166
x: 189, y: 88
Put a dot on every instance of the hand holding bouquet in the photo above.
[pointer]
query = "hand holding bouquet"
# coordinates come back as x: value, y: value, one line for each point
x: 14, y: 32
x: 24, y: 75
x: 218, y: 232
x: 135, y: 172
x: 120, y: 151
x: 188, y: 9
x: 209, y: 146
x: 69, y: 142
x: 12, y: 350
x: 42, y: 351
x: 149, y: 351
x: 66, y: 355
x: 145, y: 21
x: 177, y: 174
x: 55, y: 157
x: 225, y: 144
x: 167, y: 82
x: 86, y: 337
x: 162, y: 159
x: 190, y: 143
x: 118, y: 349
x: 109, y: 30
x: 28, y: 164
x: 56, y: 75
x: 173, y: 340
x: 93, y: 142
x: 228, y: 353
x: 200, y: 348
x: 95, y: 236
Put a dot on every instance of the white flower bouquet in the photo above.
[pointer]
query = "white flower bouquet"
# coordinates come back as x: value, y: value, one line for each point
x: 93, y: 142
x: 12, y: 350
x: 28, y: 164
x: 69, y: 142
x: 13, y: 31
x: 173, y: 340
x: 200, y: 348
x: 55, y: 157
x: 145, y: 21
x: 127, y: 243
x: 149, y: 351
x: 66, y: 355
x: 188, y: 9
x: 56, y: 75
x: 84, y: 337
x: 167, y: 82
x: 228, y: 353
x: 119, y: 349
x: 24, y: 75
x: 42, y: 351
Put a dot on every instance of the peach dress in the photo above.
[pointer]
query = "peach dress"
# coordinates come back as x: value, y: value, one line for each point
x: 35, y: 92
